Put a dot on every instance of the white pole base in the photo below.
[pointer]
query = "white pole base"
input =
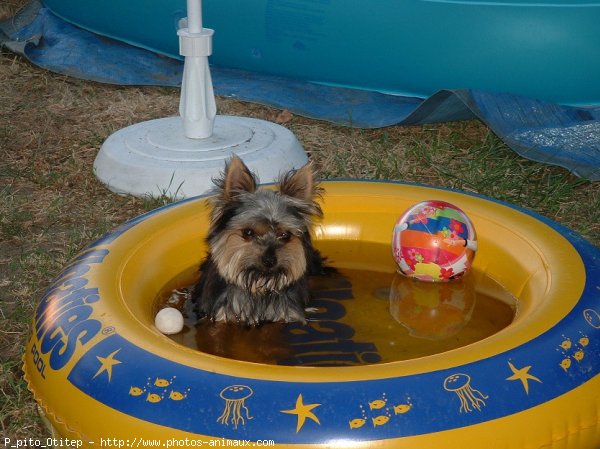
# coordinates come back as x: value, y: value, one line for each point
x: 155, y: 159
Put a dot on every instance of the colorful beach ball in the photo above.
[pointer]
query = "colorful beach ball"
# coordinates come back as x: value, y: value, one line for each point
x: 434, y: 241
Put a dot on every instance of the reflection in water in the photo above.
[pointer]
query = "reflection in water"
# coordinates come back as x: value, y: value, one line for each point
x: 358, y: 317
x: 432, y: 310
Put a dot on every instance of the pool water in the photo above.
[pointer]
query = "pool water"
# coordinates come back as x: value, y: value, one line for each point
x: 358, y: 317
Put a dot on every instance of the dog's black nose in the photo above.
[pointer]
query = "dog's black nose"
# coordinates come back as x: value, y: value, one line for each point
x: 269, y: 258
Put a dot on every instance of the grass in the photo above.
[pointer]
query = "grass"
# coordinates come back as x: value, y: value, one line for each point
x: 51, y: 205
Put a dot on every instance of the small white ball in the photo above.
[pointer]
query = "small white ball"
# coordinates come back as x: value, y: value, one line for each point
x: 169, y: 321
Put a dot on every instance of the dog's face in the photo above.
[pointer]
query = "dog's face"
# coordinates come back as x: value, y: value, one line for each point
x: 259, y: 238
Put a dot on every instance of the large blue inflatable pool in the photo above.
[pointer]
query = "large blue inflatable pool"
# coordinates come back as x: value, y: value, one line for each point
x: 546, y: 49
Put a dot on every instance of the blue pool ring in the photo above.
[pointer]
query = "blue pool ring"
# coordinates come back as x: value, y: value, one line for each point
x: 99, y: 369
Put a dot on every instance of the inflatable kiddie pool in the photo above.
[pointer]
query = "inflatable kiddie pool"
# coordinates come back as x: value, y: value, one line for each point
x: 101, y: 372
x: 541, y: 49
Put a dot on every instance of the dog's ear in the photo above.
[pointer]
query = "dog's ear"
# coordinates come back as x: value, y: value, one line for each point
x: 300, y: 184
x: 238, y: 178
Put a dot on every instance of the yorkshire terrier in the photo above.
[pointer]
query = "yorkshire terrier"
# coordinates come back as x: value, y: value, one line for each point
x: 260, y: 253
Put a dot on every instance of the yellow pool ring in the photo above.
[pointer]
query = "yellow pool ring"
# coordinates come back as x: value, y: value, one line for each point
x: 103, y: 375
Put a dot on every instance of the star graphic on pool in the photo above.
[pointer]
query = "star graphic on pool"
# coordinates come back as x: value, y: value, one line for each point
x: 303, y: 411
x: 106, y: 364
x: 523, y: 375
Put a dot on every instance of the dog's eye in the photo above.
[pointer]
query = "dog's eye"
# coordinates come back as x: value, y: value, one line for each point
x: 284, y: 236
x: 248, y: 234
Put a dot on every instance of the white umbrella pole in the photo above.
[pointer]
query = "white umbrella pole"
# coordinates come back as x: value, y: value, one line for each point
x: 197, y: 106
x: 179, y: 156
x: 194, y: 16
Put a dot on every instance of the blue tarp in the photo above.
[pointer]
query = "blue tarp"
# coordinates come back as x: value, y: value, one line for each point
x: 545, y: 132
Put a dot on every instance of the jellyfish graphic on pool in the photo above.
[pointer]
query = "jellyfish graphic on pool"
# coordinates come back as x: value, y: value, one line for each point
x: 234, y: 397
x: 470, y: 398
